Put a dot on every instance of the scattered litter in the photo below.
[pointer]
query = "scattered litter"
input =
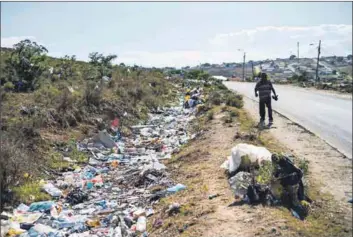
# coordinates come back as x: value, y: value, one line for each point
x: 176, y: 188
x: 110, y: 195
x: 52, y: 190
x: 173, y: 208
x: 213, y: 196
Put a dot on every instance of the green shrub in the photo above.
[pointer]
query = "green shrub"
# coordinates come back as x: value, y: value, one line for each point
x: 9, y: 86
x: 215, y: 98
x: 224, y: 108
x: 210, y: 115
x: 227, y: 118
x: 233, y: 113
x: 303, y: 164
x: 234, y: 100
x: 30, y: 192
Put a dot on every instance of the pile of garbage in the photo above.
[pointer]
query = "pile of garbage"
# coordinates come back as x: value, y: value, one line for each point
x: 258, y: 177
x: 112, y: 195
x: 193, y: 98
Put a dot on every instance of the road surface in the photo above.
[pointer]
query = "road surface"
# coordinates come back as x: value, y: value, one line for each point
x: 327, y: 115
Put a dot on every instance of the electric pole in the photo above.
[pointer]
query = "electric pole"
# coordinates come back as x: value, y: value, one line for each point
x: 244, y: 67
x: 318, y: 59
x: 252, y: 67
x: 298, y: 51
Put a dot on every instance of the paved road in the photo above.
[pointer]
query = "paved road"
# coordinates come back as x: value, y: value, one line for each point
x: 327, y: 115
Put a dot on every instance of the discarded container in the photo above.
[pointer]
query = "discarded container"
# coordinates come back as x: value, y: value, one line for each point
x: 149, y: 212
x: 141, y: 224
x: 213, y: 196
x: 176, y: 188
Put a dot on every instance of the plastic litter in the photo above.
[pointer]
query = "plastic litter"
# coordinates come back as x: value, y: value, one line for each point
x: 176, y: 188
x: 105, y: 139
x: 239, y: 183
x: 40, y: 206
x: 52, y: 190
x: 245, y: 154
x: 141, y: 224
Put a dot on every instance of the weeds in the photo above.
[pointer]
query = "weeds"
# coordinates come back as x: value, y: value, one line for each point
x: 210, y: 115
x: 30, y: 192
x: 303, y: 164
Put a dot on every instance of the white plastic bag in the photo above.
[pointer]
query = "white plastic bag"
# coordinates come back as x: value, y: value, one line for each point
x: 255, y: 154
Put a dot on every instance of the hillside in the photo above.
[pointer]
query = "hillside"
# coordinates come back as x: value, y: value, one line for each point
x: 67, y: 101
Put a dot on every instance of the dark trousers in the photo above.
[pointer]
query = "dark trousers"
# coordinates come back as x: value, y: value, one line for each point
x: 266, y: 102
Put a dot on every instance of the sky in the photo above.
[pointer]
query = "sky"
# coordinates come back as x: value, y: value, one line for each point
x: 180, y: 33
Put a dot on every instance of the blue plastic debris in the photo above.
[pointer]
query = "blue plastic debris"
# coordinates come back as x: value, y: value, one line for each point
x: 41, y: 206
x: 176, y: 188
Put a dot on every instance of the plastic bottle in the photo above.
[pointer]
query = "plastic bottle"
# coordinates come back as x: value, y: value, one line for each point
x: 141, y: 224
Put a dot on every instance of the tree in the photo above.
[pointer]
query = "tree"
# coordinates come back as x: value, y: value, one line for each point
x: 66, y: 66
x: 102, y: 63
x: 292, y: 57
x: 339, y: 59
x: 349, y: 56
x: 334, y: 72
x: 26, y: 64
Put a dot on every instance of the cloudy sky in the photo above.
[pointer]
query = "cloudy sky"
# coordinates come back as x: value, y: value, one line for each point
x: 180, y: 34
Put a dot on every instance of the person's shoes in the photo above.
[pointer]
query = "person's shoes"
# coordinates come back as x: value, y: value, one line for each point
x: 270, y: 124
x: 261, y: 124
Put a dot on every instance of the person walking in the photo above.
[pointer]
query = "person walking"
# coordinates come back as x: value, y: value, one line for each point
x: 264, y: 87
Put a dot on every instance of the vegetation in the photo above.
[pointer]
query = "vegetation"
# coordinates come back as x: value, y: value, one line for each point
x: 47, y: 100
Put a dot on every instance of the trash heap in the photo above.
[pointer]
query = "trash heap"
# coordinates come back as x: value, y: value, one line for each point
x: 258, y: 177
x: 193, y: 98
x: 114, y: 193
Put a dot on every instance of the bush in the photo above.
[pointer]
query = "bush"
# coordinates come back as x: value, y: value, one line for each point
x: 234, y: 100
x: 303, y: 164
x: 215, y: 98
x: 93, y: 93
x: 227, y: 118
x: 30, y: 192
x: 14, y: 162
x: 233, y: 113
x: 8, y: 86
x: 210, y: 115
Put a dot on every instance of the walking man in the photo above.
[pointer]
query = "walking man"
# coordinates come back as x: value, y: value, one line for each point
x: 264, y: 87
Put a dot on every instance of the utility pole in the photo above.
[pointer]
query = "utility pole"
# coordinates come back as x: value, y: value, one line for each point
x: 252, y: 67
x: 244, y: 67
x: 318, y: 59
x: 298, y: 51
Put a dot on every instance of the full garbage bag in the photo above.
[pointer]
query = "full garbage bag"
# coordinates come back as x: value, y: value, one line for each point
x: 242, y: 153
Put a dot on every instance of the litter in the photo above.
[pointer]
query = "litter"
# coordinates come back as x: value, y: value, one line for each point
x: 41, y: 206
x: 244, y: 155
x: 76, y: 196
x: 239, y: 183
x: 52, y: 190
x: 176, y: 188
x: 110, y: 195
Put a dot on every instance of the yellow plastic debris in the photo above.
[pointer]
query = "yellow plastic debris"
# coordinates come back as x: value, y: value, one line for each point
x: 14, y: 232
x: 93, y: 223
